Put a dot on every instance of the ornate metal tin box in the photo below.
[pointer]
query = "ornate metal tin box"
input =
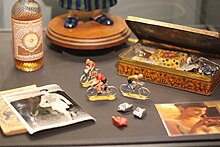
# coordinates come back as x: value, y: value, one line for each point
x: 173, y: 55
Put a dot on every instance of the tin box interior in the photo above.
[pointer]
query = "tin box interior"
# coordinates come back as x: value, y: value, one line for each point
x: 169, y: 36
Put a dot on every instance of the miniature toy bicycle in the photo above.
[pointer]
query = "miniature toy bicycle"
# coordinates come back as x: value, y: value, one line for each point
x: 107, y: 93
x: 87, y: 76
x: 138, y: 92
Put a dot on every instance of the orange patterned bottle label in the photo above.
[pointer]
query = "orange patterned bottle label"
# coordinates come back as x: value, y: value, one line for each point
x: 27, y: 39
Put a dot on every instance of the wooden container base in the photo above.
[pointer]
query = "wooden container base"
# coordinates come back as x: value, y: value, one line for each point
x: 88, y: 35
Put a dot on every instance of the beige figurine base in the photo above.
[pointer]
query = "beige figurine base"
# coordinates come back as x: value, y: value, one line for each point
x: 88, y: 35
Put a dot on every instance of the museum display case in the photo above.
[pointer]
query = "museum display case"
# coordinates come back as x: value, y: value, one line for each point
x: 64, y: 67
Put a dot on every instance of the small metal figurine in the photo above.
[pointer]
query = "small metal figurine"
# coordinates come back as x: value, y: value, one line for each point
x: 88, y: 73
x: 100, y: 90
x: 207, y: 67
x: 200, y: 65
x: 134, y: 88
x: 189, y: 65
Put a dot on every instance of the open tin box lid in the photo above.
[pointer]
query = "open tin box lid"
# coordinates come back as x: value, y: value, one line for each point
x: 167, y: 36
x: 195, y: 40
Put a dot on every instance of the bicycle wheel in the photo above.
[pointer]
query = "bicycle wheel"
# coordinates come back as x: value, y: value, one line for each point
x: 124, y: 88
x: 111, y: 90
x: 91, y: 92
x: 144, y: 92
x: 83, y: 78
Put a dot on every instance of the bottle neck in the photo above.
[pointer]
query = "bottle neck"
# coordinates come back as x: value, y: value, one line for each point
x: 26, y: 10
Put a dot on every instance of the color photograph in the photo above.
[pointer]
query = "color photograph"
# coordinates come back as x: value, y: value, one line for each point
x: 194, y: 118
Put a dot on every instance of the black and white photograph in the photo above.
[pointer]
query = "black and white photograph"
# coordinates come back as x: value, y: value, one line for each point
x: 45, y: 107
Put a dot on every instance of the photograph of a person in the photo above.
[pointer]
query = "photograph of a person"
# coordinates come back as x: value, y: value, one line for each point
x: 194, y: 118
x: 46, y: 107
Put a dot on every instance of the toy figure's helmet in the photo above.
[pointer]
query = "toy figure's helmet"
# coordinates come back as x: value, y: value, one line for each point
x: 140, y: 76
x: 90, y: 63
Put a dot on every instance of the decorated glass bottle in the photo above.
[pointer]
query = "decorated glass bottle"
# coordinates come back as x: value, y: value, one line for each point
x: 27, y: 35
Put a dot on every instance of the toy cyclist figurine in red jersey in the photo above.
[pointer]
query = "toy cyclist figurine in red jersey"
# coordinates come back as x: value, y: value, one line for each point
x: 94, y: 6
x: 100, y: 90
x: 88, y: 73
x: 102, y: 83
x: 90, y: 66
